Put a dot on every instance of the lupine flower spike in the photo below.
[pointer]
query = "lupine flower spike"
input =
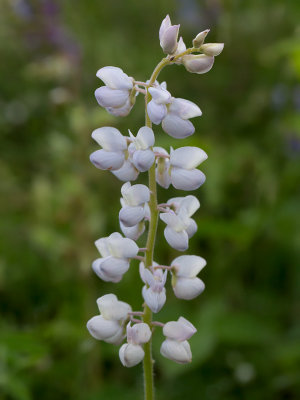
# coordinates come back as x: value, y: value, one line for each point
x: 126, y: 157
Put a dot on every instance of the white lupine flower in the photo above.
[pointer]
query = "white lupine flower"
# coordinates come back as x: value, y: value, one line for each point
x: 183, y: 163
x: 115, y: 97
x: 199, y: 39
x: 133, y: 203
x: 156, y: 108
x: 154, y: 292
x: 198, y: 64
x: 132, y: 353
x: 185, y: 283
x: 180, y: 352
x: 168, y: 35
x: 212, y: 49
x: 109, y: 326
x: 176, y: 347
x: 116, y: 252
x: 180, y: 227
x: 114, y: 146
x: 140, y: 150
x: 176, y: 123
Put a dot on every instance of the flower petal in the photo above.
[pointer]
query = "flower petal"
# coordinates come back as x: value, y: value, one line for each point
x: 179, y: 330
x: 101, y: 328
x: 168, y: 39
x: 185, y: 109
x: 177, y: 127
x: 127, y: 172
x: 123, y: 247
x: 138, y: 333
x: 156, y: 112
x: 108, y: 97
x: 187, y: 179
x: 177, y: 240
x: 115, y: 78
x: 154, y: 300
x: 143, y: 159
x: 107, y: 160
x: 133, y: 232
x: 188, y: 266
x: 113, y: 309
x: 166, y: 23
x: 135, y: 195
x: 192, y: 227
x: 122, y: 111
x: 187, y: 157
x: 160, y: 95
x: 131, y: 354
x: 145, y: 137
x: 212, y: 49
x: 198, y: 64
x: 110, y: 138
x: 179, y: 352
x: 130, y: 216
x: 188, y: 288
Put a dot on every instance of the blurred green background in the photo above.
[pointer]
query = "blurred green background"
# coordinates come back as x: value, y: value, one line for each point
x: 55, y: 203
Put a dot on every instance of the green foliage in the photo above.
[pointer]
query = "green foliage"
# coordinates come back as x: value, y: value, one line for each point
x: 54, y: 203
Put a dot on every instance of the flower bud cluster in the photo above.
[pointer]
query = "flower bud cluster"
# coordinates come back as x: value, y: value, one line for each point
x: 128, y: 156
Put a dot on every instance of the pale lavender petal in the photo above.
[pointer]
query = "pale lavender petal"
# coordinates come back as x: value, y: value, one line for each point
x: 187, y: 179
x: 188, y: 288
x: 115, y: 78
x: 110, y: 138
x: 177, y: 127
x: 177, y: 240
x: 127, y: 172
x: 107, y: 160
x: 185, y: 109
x: 107, y: 97
x: 130, y: 216
x: 156, y: 112
x: 143, y: 159
x: 187, y: 157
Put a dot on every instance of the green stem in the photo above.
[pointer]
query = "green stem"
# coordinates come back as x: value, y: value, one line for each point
x: 148, y: 361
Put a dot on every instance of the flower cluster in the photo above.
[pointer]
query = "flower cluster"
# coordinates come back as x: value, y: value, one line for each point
x: 128, y: 156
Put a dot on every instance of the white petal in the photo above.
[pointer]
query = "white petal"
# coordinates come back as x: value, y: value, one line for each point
x: 131, y: 354
x: 177, y: 240
x: 107, y: 97
x: 187, y: 179
x: 199, y: 39
x: 188, y: 288
x: 168, y: 40
x: 179, y: 352
x: 154, y: 300
x: 187, y: 157
x: 127, y: 172
x: 110, y: 277
x: 102, y: 246
x: 122, y: 111
x: 161, y: 150
x: 212, y: 49
x: 177, y: 127
x: 117, y: 339
x: 192, y: 227
x: 133, y: 232
x: 123, y: 247
x: 111, y: 308
x: 160, y: 95
x: 156, y: 112
x: 190, y: 203
x: 143, y: 159
x: 142, y: 270
x: 173, y: 221
x: 130, y: 216
x: 185, y: 109
x: 179, y: 330
x: 107, y: 160
x: 166, y: 23
x: 113, y: 269
x: 135, y: 195
x: 138, y: 333
x: 145, y: 137
x: 110, y: 138
x: 188, y: 266
x: 115, y: 78
x: 101, y: 328
x: 198, y: 64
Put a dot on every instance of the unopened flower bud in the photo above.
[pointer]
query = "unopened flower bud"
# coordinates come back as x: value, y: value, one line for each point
x: 212, y: 49
x: 199, y: 39
x: 168, y: 35
x: 131, y: 354
x: 198, y: 64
